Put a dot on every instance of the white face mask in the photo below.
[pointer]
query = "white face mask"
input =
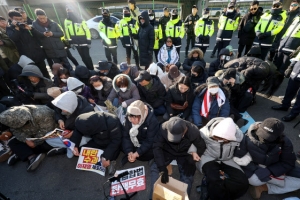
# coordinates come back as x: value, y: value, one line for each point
x: 151, y: 17
x: 78, y: 91
x: 213, y: 90
x: 230, y: 10
x: 64, y: 80
x: 99, y: 87
x: 205, y: 16
x: 123, y: 89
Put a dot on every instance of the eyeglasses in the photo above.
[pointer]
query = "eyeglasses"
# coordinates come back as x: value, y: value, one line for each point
x: 253, y: 9
x: 294, y: 5
x: 133, y: 116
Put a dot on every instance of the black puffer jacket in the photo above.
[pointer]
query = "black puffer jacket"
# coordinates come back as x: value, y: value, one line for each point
x: 83, y: 107
x: 175, y: 96
x: 104, y: 129
x: 114, y: 71
x: 53, y: 45
x: 218, y: 64
x: 146, y: 40
x: 101, y: 95
x: 201, y: 78
x: 279, y: 158
x: 188, y: 62
x: 156, y: 95
x: 147, y: 132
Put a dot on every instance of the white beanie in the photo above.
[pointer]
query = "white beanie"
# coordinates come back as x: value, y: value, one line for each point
x: 73, y: 83
x: 66, y: 101
x: 225, y: 129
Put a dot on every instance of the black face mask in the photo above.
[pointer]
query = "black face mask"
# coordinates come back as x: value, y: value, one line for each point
x: 174, y: 16
x: 127, y: 15
x: 106, y: 18
x: 276, y: 11
x: 193, y: 75
x: 72, y: 17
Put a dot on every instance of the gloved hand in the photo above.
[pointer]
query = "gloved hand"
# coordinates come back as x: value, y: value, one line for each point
x: 29, y: 94
x: 124, y: 105
x: 263, y: 174
x: 200, y: 37
x: 288, y: 71
x: 164, y: 176
x: 268, y: 34
x: 73, y: 46
x: 89, y: 46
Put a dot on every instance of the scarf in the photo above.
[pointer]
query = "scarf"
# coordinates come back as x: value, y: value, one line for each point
x: 134, y: 131
x: 220, y: 96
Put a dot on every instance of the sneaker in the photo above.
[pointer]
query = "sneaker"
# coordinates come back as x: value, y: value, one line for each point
x: 56, y: 151
x: 112, y: 167
x: 34, y: 162
x: 12, y: 160
x: 5, y: 154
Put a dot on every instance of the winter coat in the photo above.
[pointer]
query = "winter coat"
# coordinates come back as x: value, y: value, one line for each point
x: 29, y: 121
x: 53, y: 45
x: 165, y: 151
x: 147, y: 133
x: 217, y: 64
x: 215, y: 151
x: 130, y: 95
x: 74, y: 83
x: 133, y: 73
x: 15, y: 70
x: 168, y: 82
x: 82, y: 107
x: 9, y: 49
x: 190, y: 27
x: 155, y: 96
x: 295, y: 75
x: 201, y: 78
x: 246, y: 30
x: 146, y: 40
x: 104, y: 129
x: 279, y: 158
x: 163, y: 55
x: 188, y: 62
x: 175, y: 96
x: 163, y: 22
x: 215, y: 110
x: 100, y: 96
x: 83, y: 74
x: 114, y: 71
x: 27, y: 43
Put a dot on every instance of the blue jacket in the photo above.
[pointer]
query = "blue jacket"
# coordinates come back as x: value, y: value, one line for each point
x: 215, y: 110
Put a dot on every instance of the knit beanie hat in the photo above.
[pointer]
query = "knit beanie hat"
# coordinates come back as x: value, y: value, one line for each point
x: 225, y: 129
x: 66, y: 101
x: 173, y: 71
x: 270, y: 129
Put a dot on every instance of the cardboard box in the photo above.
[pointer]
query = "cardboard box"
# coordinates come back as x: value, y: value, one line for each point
x: 173, y: 190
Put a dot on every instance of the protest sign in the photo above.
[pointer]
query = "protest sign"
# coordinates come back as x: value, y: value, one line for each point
x: 89, y: 160
x: 133, y: 182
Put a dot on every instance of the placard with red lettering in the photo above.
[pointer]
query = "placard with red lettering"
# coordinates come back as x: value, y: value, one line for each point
x: 89, y: 160
x: 133, y: 182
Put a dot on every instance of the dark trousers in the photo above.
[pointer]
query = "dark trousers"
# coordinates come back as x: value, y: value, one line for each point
x: 290, y: 92
x: 160, y: 110
x: 64, y: 61
x: 215, y: 48
x: 71, y: 57
x: 23, y: 151
x: 282, y: 61
x: 189, y: 39
x: 156, y: 53
x: 42, y: 66
x: 233, y: 187
x: 84, y: 53
x: 264, y: 52
x: 111, y: 54
x: 203, y: 49
x: 222, y: 44
x: 178, y: 51
x: 241, y: 48
x: 128, y: 52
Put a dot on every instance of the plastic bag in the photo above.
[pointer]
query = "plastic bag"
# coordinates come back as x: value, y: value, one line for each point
x: 121, y: 113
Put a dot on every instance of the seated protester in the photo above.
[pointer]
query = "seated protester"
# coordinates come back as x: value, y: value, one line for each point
x: 68, y: 106
x: 211, y: 101
x: 168, y: 55
x: 232, y: 54
x: 152, y: 91
x: 79, y: 88
x: 106, y: 133
x: 197, y: 74
x: 172, y: 77
x: 225, y: 179
x: 129, y: 70
x: 34, y: 85
x: 83, y: 74
x: 100, y: 89
x: 195, y: 55
x: 172, y: 143
x: 15, y: 70
x: 28, y: 121
x: 264, y: 154
x: 179, y: 99
x: 124, y: 92
x: 55, y: 68
x: 255, y: 51
x: 139, y: 131
x: 61, y: 78
x: 218, y: 64
x: 107, y: 68
x: 155, y: 70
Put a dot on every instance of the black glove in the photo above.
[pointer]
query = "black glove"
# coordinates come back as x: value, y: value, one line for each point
x: 189, y: 168
x: 200, y: 37
x: 263, y: 174
x: 29, y: 94
x: 165, y: 176
x: 261, y: 36
x: 268, y: 34
x: 288, y: 71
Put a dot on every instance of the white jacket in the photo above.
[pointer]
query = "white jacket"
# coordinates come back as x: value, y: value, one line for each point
x: 163, y: 55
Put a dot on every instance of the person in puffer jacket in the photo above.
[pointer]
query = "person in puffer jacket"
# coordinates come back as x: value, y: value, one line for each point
x: 168, y: 55
x: 224, y: 57
x: 196, y: 55
x: 225, y: 178
x: 198, y: 74
x: 266, y: 156
x: 80, y: 88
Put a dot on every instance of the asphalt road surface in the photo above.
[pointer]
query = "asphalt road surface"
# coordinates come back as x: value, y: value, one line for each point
x: 57, y: 177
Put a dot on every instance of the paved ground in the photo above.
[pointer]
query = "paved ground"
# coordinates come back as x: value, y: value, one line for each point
x: 57, y: 177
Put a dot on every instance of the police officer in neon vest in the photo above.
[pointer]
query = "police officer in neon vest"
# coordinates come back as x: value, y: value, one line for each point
x: 175, y: 30
x: 228, y: 23
x: 163, y: 23
x: 109, y: 34
x: 204, y: 29
x: 78, y: 34
x: 269, y: 25
x: 157, y: 32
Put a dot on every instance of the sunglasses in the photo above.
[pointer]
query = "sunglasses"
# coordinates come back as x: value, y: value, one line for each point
x: 133, y: 116
x: 294, y: 5
x: 253, y: 9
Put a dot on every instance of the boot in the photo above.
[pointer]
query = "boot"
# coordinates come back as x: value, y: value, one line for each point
x: 128, y: 61
x: 255, y: 191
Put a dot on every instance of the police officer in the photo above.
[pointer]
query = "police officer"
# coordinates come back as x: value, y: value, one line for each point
x: 79, y: 36
x: 293, y: 12
x: 163, y: 23
x: 189, y: 24
x: 228, y: 23
x: 175, y: 30
x: 157, y: 32
x: 204, y: 29
x: 269, y: 25
x: 109, y: 34
x: 123, y: 30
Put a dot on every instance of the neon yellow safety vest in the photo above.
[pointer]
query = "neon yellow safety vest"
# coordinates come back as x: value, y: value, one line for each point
x: 77, y: 33
x: 202, y: 28
x: 175, y: 28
